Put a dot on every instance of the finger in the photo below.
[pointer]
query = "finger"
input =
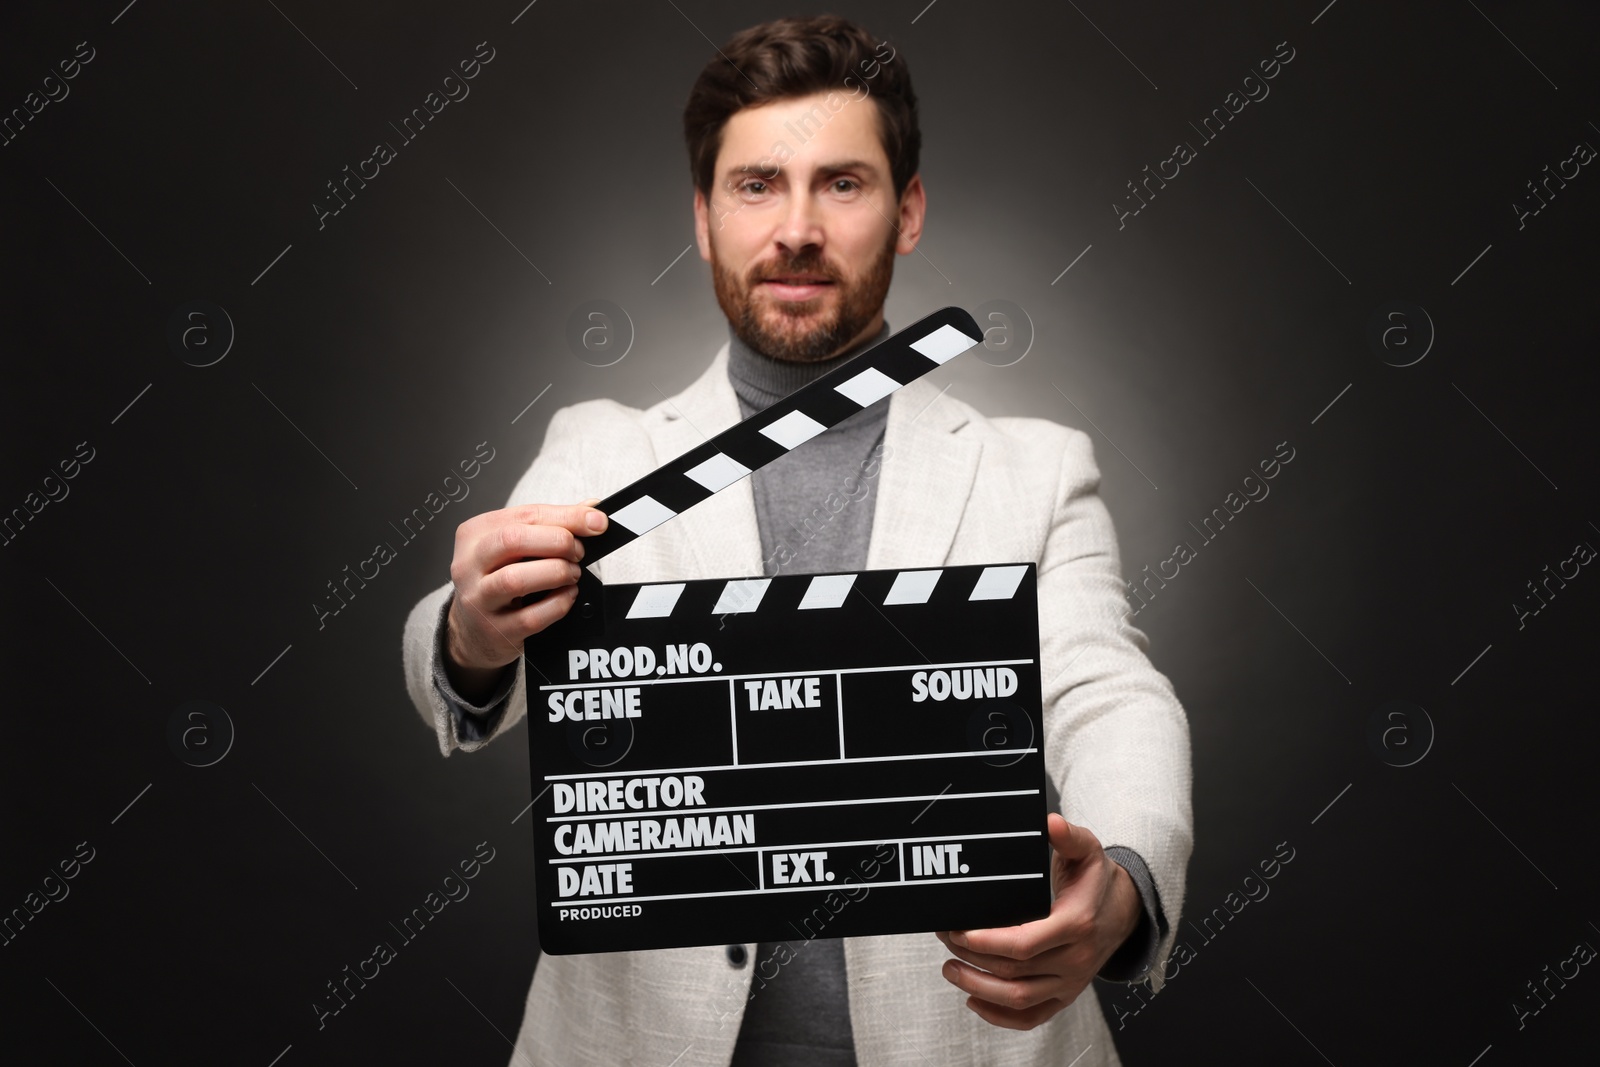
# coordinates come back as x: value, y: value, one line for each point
x: 1014, y: 993
x: 1070, y: 841
x: 506, y: 586
x: 591, y: 502
x: 514, y: 541
x: 546, y: 611
x: 581, y: 519
x: 1003, y: 966
x: 494, y: 632
x: 1026, y: 1019
x: 1016, y: 942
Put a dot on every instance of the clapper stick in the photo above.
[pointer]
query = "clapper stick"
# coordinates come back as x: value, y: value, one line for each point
x: 709, y: 468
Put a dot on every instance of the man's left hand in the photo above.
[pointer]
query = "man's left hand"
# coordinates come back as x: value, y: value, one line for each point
x: 1020, y: 976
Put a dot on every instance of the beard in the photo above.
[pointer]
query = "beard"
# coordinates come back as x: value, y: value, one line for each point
x: 799, y: 331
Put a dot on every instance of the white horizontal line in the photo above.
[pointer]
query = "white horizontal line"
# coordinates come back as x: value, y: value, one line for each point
x: 785, y: 674
x: 793, y: 804
x: 797, y: 763
x: 793, y: 889
x: 598, y: 857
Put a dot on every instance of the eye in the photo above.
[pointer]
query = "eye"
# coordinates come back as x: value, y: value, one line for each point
x: 850, y: 182
x: 750, y: 186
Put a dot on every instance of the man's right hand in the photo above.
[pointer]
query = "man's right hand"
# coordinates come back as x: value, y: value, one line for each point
x: 515, y: 572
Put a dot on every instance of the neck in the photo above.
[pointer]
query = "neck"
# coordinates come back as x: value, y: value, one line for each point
x: 760, y: 381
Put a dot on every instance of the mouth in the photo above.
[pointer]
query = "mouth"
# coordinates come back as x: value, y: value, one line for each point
x: 796, y: 286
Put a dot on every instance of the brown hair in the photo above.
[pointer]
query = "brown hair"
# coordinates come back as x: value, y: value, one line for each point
x: 792, y: 57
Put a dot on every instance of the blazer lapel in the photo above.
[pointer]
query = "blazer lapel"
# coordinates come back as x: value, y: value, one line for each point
x: 927, y: 477
x: 719, y: 536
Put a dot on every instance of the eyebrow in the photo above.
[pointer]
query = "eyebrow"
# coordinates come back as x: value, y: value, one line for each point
x: 742, y: 169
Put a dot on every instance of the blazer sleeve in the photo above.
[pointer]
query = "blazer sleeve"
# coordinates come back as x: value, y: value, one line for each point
x: 554, y: 477
x: 1116, y: 736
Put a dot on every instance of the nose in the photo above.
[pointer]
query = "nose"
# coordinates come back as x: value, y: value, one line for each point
x: 801, y: 226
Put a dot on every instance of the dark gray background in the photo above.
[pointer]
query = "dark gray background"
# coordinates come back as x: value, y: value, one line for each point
x: 378, y: 351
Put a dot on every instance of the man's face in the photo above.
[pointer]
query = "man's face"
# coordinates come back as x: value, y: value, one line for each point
x: 803, y: 225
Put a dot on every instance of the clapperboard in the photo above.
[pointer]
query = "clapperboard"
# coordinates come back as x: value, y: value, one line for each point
x: 771, y: 759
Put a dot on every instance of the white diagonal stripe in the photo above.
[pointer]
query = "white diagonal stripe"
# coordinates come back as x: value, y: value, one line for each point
x: 868, y: 387
x: 655, y: 601
x: 643, y: 514
x: 793, y: 429
x: 912, y: 587
x: 998, y: 583
x: 718, y: 472
x: 827, y: 591
x: 943, y: 344
x: 741, y: 594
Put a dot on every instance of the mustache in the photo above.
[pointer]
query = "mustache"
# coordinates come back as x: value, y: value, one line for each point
x: 800, y: 266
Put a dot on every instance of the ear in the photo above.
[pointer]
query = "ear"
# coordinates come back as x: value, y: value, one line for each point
x: 702, y: 225
x: 913, y: 208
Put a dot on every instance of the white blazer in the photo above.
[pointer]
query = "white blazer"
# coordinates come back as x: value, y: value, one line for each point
x: 955, y: 488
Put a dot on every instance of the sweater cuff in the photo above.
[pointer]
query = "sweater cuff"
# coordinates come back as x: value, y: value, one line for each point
x: 1132, y: 961
x: 473, y: 722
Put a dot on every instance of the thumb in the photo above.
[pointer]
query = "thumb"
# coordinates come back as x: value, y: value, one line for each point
x: 1070, y: 842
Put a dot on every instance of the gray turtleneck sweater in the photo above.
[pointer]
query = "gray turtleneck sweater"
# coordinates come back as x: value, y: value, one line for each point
x: 802, y: 1017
